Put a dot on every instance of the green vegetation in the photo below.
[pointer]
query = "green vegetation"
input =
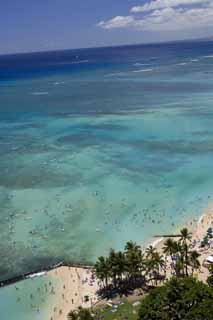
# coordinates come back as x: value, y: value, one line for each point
x: 182, y: 255
x: 80, y: 314
x: 210, y: 278
x: 178, y: 299
x: 127, y: 270
x: 209, y: 235
x: 124, y: 310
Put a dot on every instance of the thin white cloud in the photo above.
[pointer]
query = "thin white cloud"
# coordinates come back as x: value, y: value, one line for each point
x: 167, y: 18
x: 176, y: 19
x: 117, y: 22
x: 160, y: 4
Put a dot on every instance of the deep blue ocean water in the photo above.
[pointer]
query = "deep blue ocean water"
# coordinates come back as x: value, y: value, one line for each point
x: 100, y: 146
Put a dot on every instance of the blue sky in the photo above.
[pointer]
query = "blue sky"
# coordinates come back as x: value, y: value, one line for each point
x: 27, y: 25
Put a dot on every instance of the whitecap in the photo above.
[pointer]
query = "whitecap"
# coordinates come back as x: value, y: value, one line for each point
x: 80, y: 61
x: 114, y: 74
x: 141, y: 64
x: 69, y: 62
x: 181, y: 64
x: 40, y: 93
x: 39, y: 274
x: 194, y: 60
x: 209, y: 56
x: 142, y: 70
x: 58, y: 82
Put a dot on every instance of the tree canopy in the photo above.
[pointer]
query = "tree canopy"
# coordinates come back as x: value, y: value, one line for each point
x: 179, y: 299
x: 80, y: 314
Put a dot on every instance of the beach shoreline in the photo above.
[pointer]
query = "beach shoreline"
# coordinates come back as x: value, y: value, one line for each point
x: 75, y: 285
x: 197, y: 227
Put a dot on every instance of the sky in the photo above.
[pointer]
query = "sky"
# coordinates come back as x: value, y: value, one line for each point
x: 40, y: 25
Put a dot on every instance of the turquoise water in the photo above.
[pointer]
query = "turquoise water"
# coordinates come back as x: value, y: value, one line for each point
x: 29, y: 299
x: 98, y: 147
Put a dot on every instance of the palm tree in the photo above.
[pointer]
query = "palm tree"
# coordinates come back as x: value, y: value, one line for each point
x: 155, y: 263
x: 132, y: 246
x: 159, y: 261
x: 170, y: 247
x: 177, y: 247
x: 120, y: 265
x: 117, y: 264
x: 102, y: 269
x: 193, y: 260
x: 185, y: 236
x: 150, y: 251
x: 134, y: 259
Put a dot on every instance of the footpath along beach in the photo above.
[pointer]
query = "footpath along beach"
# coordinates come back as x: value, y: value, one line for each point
x: 78, y: 286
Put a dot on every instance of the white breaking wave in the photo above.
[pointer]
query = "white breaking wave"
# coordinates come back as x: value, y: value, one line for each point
x: 181, y: 64
x: 114, y: 74
x: 39, y: 274
x: 141, y: 64
x: 72, y: 62
x: 58, y: 82
x: 142, y: 70
x: 40, y: 93
x: 210, y: 56
x: 81, y: 61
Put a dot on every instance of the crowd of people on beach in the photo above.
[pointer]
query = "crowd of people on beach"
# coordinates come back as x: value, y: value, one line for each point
x: 81, y: 286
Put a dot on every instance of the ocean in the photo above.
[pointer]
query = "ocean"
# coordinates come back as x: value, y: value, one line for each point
x: 97, y: 147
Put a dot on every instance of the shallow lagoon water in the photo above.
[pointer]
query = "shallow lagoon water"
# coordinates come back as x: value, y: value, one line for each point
x: 94, y: 154
x: 29, y: 299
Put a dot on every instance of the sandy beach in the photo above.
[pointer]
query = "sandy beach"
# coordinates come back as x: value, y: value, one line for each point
x: 78, y: 286
x: 198, y: 228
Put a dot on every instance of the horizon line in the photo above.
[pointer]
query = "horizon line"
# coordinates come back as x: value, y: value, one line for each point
x: 107, y: 46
